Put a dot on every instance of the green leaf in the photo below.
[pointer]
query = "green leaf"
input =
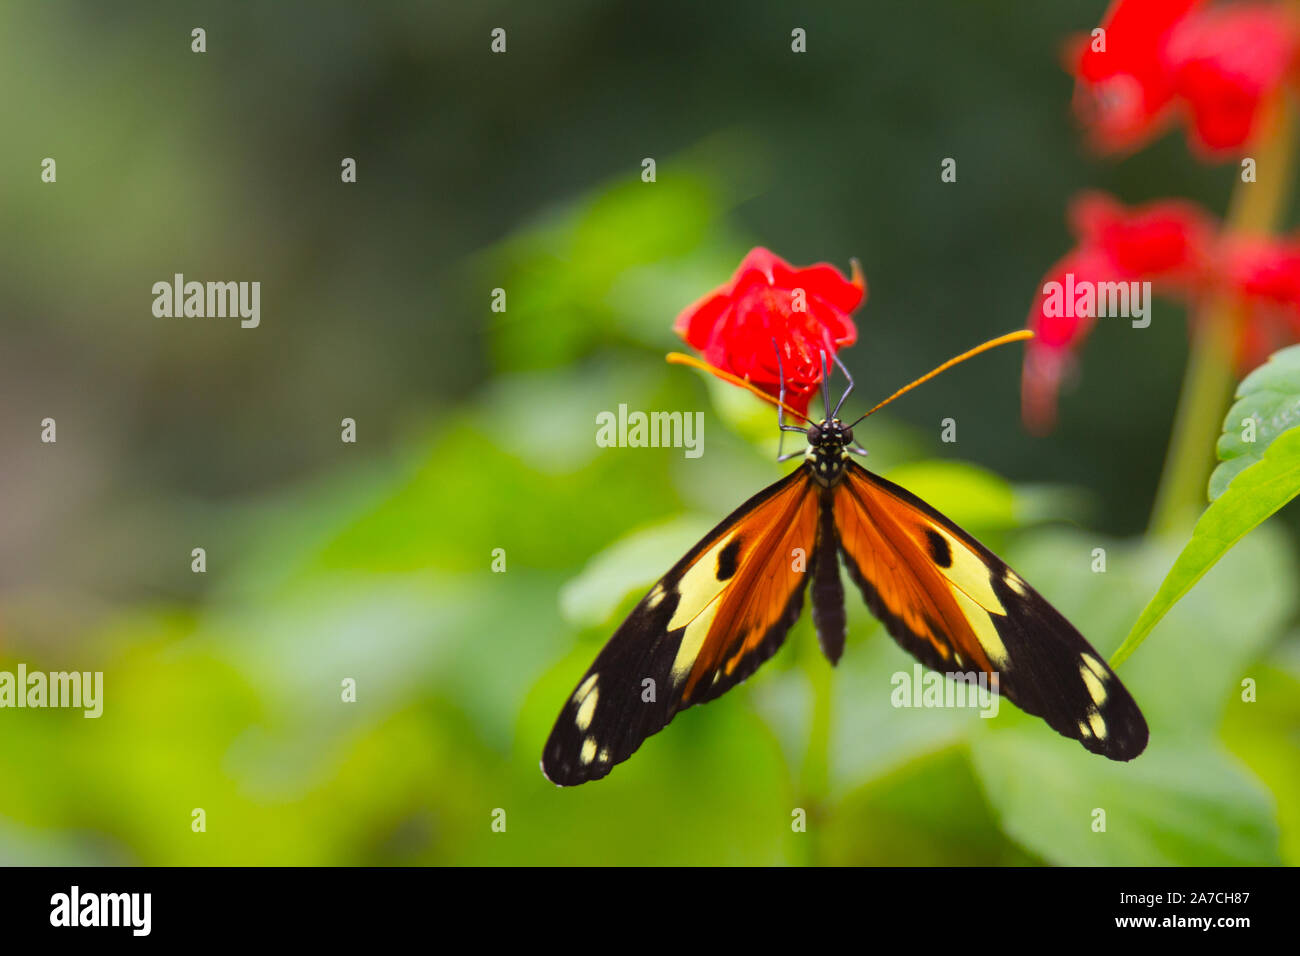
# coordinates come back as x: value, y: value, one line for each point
x: 630, y: 564
x: 929, y: 811
x: 1254, y: 495
x: 1269, y: 399
x: 1262, y: 731
x: 970, y: 495
x: 1185, y: 801
x: 1176, y: 805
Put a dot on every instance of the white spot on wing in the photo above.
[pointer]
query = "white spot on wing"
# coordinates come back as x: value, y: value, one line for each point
x: 985, y: 632
x: 588, y: 709
x: 588, y: 750
x: 1095, y: 666
x: 1096, y: 689
x: 699, y: 585
x: 692, y: 641
x: 968, y: 572
x: 584, y: 689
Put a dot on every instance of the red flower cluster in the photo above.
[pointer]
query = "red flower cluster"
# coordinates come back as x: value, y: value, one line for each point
x: 1217, y: 66
x: 1182, y: 252
x: 1264, y: 273
x: 770, y: 307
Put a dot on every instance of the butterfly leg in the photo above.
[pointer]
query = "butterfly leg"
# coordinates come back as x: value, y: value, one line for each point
x: 826, y: 388
x: 847, y: 392
x: 780, y: 411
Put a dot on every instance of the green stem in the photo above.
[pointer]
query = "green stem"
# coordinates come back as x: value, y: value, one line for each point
x: 815, y: 782
x: 1207, y: 385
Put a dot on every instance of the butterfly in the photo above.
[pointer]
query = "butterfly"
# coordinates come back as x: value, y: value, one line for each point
x: 725, y: 608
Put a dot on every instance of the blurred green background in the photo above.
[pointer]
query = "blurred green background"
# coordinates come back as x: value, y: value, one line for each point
x: 476, y: 431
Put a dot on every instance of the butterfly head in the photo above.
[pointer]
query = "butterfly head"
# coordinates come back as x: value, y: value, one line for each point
x: 828, y: 449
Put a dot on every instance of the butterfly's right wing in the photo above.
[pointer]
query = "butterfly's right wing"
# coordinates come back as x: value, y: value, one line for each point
x: 707, y: 625
x: 956, y: 607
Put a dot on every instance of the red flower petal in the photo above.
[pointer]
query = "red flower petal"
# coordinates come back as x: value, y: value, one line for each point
x: 1264, y: 269
x: 1177, y: 246
x: 825, y: 282
x: 1262, y: 273
x: 696, y: 321
x: 769, y: 306
x: 1168, y: 241
x: 1053, y: 317
x: 1225, y: 63
x: 1122, y: 93
x: 1059, y: 328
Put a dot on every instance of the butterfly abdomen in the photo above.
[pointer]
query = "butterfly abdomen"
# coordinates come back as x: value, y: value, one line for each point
x: 827, y: 588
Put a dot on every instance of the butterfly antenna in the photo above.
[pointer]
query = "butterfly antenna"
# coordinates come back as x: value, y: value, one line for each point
x: 679, y: 358
x: 1007, y: 339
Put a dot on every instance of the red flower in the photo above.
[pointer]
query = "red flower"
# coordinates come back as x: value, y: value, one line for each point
x: 1263, y: 269
x: 1219, y: 66
x: 1168, y: 243
x: 1124, y: 88
x: 1179, y: 249
x: 1059, y: 333
x: 1262, y: 274
x: 804, y: 311
x: 1226, y: 63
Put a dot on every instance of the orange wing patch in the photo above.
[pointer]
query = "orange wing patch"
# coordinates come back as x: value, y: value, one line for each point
x: 740, y: 588
x: 953, y: 604
x: 708, y: 623
x: 900, y: 555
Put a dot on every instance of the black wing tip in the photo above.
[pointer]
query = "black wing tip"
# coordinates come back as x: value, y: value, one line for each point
x: 572, y: 774
x: 1132, y: 744
x: 1122, y: 749
x: 1127, y: 735
x: 562, y: 766
x: 547, y: 773
x: 562, y: 773
x: 559, y: 775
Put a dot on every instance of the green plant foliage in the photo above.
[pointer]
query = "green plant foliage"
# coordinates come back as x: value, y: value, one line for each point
x: 1254, y: 495
x: 375, y: 564
x: 1268, y: 404
x: 1184, y: 801
x: 1261, y: 723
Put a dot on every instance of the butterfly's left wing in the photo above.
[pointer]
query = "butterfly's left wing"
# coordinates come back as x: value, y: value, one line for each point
x: 954, y: 605
x: 707, y: 625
